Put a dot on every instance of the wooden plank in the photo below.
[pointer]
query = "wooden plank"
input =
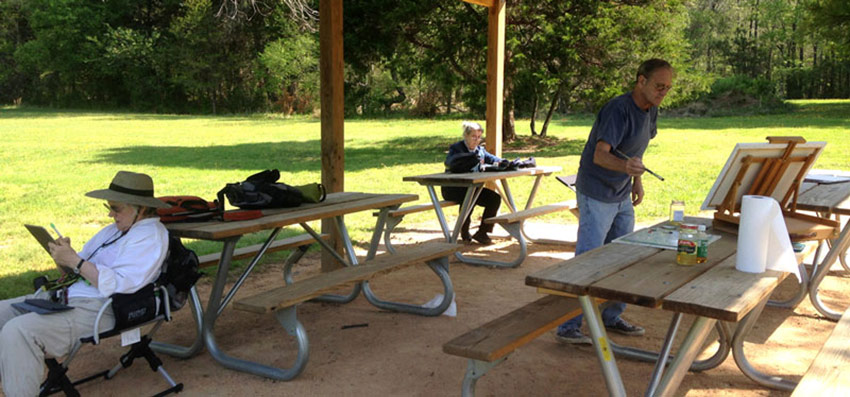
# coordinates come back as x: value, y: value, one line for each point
x: 332, y: 103
x: 723, y: 292
x: 472, y: 178
x: 513, y: 217
x: 826, y: 198
x: 827, y: 376
x: 485, y: 3
x: 648, y: 282
x: 505, y: 334
x: 577, y: 274
x: 419, y: 208
x: 495, y: 75
x: 802, y: 229
x: 304, y: 290
x: 291, y: 216
x: 251, y: 250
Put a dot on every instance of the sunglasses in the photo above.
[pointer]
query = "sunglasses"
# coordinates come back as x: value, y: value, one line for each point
x: 113, y: 208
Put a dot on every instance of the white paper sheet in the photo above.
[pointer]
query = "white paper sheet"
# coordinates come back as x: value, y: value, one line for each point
x: 763, y: 241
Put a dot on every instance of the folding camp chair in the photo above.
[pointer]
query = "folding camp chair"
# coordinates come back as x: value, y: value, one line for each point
x: 159, y: 312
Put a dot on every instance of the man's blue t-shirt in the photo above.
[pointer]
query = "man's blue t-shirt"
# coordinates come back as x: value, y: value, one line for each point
x: 624, y: 126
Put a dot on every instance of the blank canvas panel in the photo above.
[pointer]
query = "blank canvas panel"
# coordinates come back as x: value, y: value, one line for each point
x: 734, y: 165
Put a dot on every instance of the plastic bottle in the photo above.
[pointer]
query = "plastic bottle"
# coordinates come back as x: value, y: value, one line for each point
x: 702, y: 244
x: 687, y: 248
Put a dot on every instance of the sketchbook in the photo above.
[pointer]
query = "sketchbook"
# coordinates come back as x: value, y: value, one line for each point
x: 43, y: 236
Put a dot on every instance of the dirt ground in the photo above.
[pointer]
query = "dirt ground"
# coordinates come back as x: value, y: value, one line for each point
x: 401, y: 354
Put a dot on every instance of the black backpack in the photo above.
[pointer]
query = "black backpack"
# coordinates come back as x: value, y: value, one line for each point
x: 179, y: 272
x: 259, y: 191
x: 462, y: 162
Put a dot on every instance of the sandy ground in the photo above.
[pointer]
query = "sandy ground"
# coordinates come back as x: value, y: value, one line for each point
x: 401, y: 354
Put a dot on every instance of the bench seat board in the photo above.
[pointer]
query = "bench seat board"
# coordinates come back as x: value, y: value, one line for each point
x: 828, y: 374
x: 304, y: 290
x: 513, y: 217
x: 419, y: 208
x: 503, y: 335
x: 249, y: 251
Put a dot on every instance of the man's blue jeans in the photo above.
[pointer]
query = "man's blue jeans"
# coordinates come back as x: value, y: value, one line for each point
x: 600, y: 223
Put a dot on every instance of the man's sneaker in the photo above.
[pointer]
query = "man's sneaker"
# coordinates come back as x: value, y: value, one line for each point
x: 573, y: 337
x: 623, y: 327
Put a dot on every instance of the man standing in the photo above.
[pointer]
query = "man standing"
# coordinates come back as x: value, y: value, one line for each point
x: 609, y: 186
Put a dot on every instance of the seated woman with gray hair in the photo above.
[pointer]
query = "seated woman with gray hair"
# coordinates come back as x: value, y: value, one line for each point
x: 488, y: 199
x: 122, y: 257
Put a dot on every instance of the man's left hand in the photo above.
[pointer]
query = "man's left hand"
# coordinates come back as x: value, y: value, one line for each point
x: 637, y: 191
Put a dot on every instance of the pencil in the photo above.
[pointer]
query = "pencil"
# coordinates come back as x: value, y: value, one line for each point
x: 55, y: 229
x: 644, y: 168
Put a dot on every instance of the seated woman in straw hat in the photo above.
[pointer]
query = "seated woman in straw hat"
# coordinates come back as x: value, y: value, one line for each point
x: 122, y: 258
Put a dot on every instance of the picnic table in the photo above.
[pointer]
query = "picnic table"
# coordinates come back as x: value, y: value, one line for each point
x: 335, y: 206
x: 828, y: 197
x: 712, y: 291
x: 475, y: 182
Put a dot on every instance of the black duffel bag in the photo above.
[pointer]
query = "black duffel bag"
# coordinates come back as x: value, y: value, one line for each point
x: 261, y: 190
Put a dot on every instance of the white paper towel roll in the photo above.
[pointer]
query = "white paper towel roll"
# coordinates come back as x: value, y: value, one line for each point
x: 763, y: 241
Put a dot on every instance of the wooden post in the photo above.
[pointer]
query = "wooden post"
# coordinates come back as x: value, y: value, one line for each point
x: 331, y: 64
x: 495, y: 76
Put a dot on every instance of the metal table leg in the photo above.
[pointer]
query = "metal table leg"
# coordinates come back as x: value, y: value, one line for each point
x: 839, y: 246
x: 352, y: 260
x: 687, y: 352
x: 724, y: 340
x: 198, y: 344
x: 664, y: 354
x: 744, y: 327
x: 600, y: 343
x: 475, y: 369
x: 441, y: 268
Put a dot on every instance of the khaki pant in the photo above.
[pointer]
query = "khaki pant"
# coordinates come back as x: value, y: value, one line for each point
x: 27, y: 338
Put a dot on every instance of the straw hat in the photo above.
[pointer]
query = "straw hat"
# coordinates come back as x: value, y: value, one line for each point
x: 130, y: 188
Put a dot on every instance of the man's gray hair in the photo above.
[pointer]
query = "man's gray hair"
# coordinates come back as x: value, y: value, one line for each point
x: 649, y: 66
x: 469, y: 126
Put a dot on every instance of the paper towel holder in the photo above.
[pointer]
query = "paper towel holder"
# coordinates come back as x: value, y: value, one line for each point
x: 774, y: 169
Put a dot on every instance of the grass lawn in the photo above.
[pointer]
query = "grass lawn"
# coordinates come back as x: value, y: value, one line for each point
x: 51, y: 158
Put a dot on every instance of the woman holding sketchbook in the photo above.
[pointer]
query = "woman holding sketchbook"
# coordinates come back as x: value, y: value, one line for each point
x: 122, y: 258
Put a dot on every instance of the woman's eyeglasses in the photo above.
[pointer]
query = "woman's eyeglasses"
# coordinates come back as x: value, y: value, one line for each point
x: 112, y: 208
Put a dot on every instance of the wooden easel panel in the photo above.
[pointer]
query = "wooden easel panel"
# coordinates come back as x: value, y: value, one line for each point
x: 735, y: 163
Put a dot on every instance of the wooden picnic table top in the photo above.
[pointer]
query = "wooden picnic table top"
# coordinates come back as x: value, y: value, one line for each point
x: 334, y: 205
x: 821, y: 197
x: 650, y: 277
x: 471, y: 178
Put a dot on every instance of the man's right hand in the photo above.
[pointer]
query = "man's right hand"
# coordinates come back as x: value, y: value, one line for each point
x: 634, y: 166
x: 603, y: 157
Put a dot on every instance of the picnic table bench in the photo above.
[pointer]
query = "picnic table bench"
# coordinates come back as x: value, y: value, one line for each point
x: 827, y: 376
x: 492, y: 343
x: 283, y: 300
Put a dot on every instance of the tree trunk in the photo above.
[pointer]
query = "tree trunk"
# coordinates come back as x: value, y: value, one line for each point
x: 508, y: 122
x: 554, y: 105
x: 533, y: 115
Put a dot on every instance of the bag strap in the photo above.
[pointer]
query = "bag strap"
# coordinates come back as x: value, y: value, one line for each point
x: 324, y: 192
